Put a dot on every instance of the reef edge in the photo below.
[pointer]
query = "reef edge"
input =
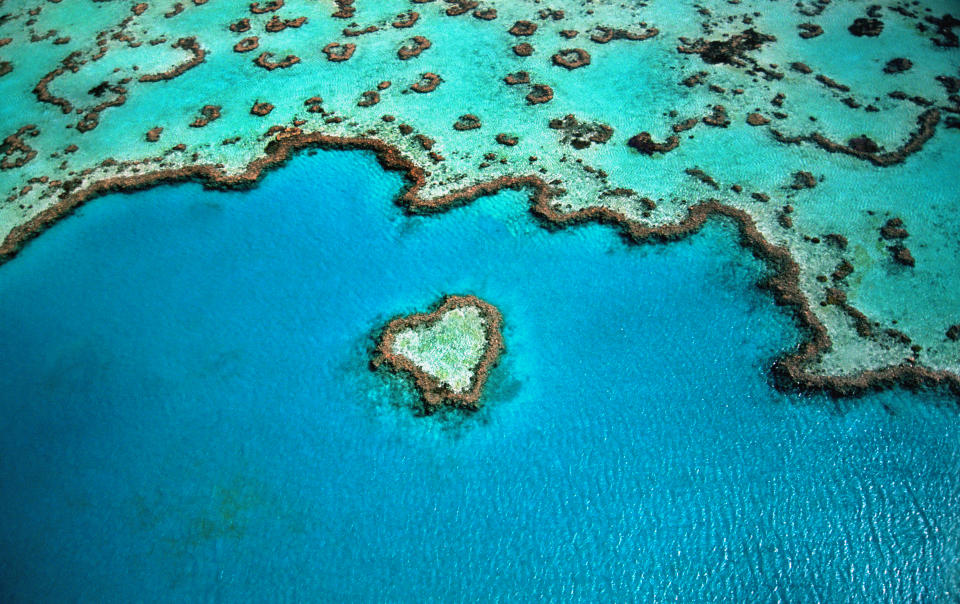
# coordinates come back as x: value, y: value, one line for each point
x: 788, y: 372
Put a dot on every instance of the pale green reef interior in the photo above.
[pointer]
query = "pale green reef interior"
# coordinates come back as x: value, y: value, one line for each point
x: 629, y: 85
x: 449, y: 349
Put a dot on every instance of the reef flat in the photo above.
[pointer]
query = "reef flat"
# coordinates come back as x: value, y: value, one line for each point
x: 826, y: 130
x: 448, y: 351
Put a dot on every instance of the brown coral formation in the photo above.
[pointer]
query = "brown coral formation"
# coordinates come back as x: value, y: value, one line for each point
x: 344, y: 10
x: 188, y: 44
x: 519, y: 77
x: 406, y: 19
x: 898, y: 65
x: 368, y: 98
x: 571, y: 58
x: 314, y: 104
x: 353, y: 33
x: 91, y: 118
x: 866, y: 27
x: 703, y: 177
x: 208, y: 113
x: 755, y: 119
x: 893, y: 229
x: 522, y: 28
x: 261, y: 109
x: 276, y: 24
x: 803, y: 180
x: 418, y: 45
x: 603, y: 34
x: 685, y: 125
x: 539, y: 93
x: 831, y: 83
x: 809, y: 30
x: 523, y: 50
x: 902, y: 255
x: 433, y: 392
x: 945, y: 25
x: 506, y: 139
x: 264, y: 61
x: 461, y: 7
x: 153, y: 134
x: 865, y: 149
x: 580, y: 135
x: 731, y: 51
x: 718, y: 117
x: 15, y: 151
x: 843, y: 270
x: 468, y: 121
x: 428, y: 83
x: 554, y: 14
x: 267, y: 7
x: 645, y: 144
x: 339, y: 52
x: 247, y: 44
x: 240, y: 26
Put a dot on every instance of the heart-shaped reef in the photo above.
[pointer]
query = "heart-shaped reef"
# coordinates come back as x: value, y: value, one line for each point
x: 448, y: 351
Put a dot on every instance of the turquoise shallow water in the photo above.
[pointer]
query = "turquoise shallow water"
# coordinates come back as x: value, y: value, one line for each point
x: 187, y: 414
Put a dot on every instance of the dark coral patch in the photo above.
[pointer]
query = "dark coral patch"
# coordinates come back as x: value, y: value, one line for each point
x: 428, y: 83
x: 418, y: 45
x: 580, y: 135
x: 267, y: 7
x: 645, y: 144
x: 467, y: 121
x: 369, y: 98
x: 523, y: 50
x: 208, y: 113
x: 264, y: 61
x: 809, y: 30
x: 898, y: 65
x: 602, y: 34
x: 261, y: 109
x: 247, y: 44
x: 866, y: 27
x: 522, y: 28
x: 461, y: 7
x: 571, y: 58
x: 731, y: 51
x: 540, y: 93
x: 718, y: 117
x: 337, y: 52
x: 519, y: 77
x: 407, y: 19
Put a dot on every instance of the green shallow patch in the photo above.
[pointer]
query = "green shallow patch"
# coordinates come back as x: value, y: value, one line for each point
x: 447, y: 350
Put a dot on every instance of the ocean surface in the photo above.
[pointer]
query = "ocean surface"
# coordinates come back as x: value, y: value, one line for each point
x: 187, y: 414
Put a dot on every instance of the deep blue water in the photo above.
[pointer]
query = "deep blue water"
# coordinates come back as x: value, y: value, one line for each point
x: 186, y: 413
